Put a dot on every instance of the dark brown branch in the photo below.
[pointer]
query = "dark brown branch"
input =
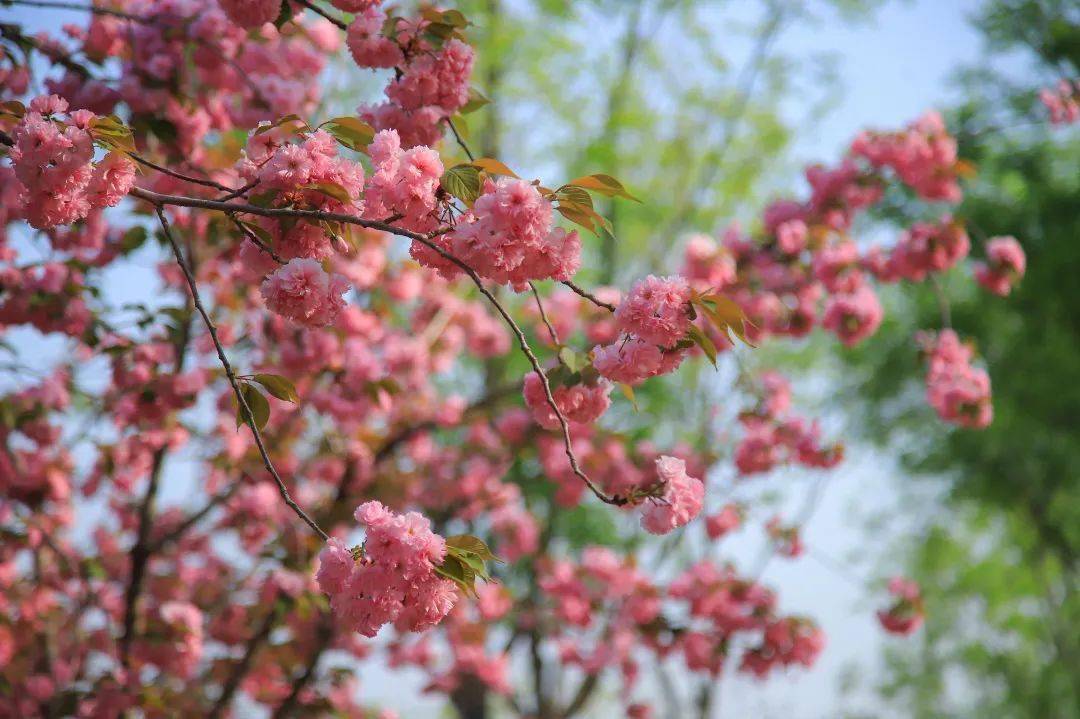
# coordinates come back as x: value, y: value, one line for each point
x: 142, y: 551
x: 245, y: 410
x: 256, y: 240
x: 323, y: 634
x: 581, y: 696
x: 319, y: 11
x: 589, y: 296
x: 182, y: 528
x: 93, y: 9
x: 460, y: 141
x: 178, y: 175
x: 243, y: 665
x: 544, y: 317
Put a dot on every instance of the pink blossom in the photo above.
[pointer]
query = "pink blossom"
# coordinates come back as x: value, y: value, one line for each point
x: 681, y: 499
x: 305, y: 293
x: 581, y: 403
x: 657, y: 310
x: 1004, y: 266
x: 853, y: 317
x: 723, y: 522
x: 251, y: 13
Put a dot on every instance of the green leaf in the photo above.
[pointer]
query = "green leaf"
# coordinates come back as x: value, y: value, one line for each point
x: 476, y: 101
x: 352, y: 132
x: 133, y: 239
x: 471, y: 545
x: 575, y: 195
x: 14, y: 108
x: 111, y: 132
x: 287, y: 119
x: 458, y: 572
x: 278, y: 386
x: 462, y: 181
x: 259, y: 231
x: 628, y: 392
x: 703, y: 341
x: 582, y: 214
x: 603, y: 184
x: 257, y: 403
x: 265, y: 199
x: 493, y: 167
x: 330, y: 189
x: 724, y: 314
x: 285, y: 14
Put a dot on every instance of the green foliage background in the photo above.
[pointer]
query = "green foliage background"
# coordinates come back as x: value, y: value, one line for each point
x: 998, y: 562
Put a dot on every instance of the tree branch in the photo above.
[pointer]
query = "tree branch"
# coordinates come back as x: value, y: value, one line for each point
x: 160, y: 200
x: 245, y: 410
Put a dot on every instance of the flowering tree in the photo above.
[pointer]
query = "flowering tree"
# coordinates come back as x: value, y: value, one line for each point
x: 341, y: 286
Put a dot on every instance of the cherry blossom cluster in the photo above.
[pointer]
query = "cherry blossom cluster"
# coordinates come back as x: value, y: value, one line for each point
x: 786, y: 537
x: 52, y: 159
x: 772, y: 436
x: 308, y: 174
x: 580, y: 403
x: 391, y: 578
x: 805, y: 269
x: 1062, y: 101
x: 393, y: 390
x: 599, y: 606
x: 245, y: 68
x: 303, y: 292
x: 923, y: 155
x: 958, y: 391
x: 721, y: 606
x: 509, y: 237
x: 1004, y: 265
x: 727, y: 520
x: 432, y: 72
x: 923, y: 249
x: 680, y: 501
x: 652, y: 320
x: 906, y: 613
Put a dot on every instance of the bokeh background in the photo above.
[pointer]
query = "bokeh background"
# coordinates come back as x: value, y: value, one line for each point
x: 709, y: 109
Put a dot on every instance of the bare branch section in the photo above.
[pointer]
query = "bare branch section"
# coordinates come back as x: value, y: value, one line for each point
x: 589, y: 296
x: 160, y: 200
x: 543, y: 314
x: 245, y: 410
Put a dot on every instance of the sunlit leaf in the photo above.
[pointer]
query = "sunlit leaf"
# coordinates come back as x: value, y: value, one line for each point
x: 257, y: 403
x: 493, y: 167
x: 463, y: 182
x: 330, y: 189
x: 703, y: 341
x: 476, y: 101
x: 352, y: 132
x: 603, y: 184
x: 278, y: 386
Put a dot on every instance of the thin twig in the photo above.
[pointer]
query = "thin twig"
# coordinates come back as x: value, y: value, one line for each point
x: 543, y: 315
x: 319, y: 11
x: 191, y: 521
x: 323, y: 634
x: 460, y: 141
x: 178, y: 175
x: 243, y: 665
x: 246, y: 412
x: 159, y: 200
x: 93, y: 9
x: 256, y: 240
x: 590, y: 297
